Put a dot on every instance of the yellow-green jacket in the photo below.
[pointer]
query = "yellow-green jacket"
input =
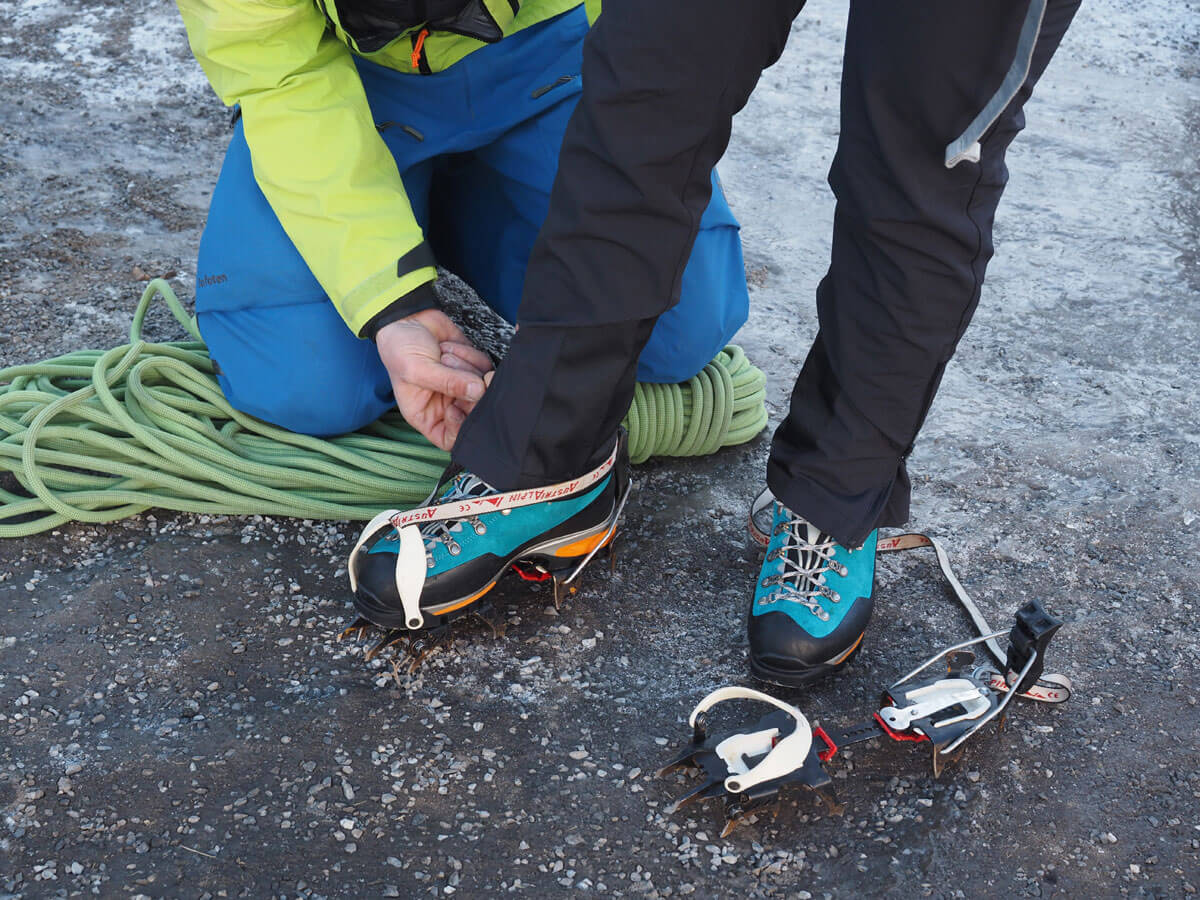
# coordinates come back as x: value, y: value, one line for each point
x: 313, y: 144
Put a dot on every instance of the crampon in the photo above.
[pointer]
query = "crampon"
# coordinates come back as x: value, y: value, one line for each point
x: 404, y: 650
x: 749, y: 768
x: 415, y: 573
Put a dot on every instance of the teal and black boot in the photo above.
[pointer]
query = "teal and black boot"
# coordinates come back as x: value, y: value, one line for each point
x: 410, y: 574
x: 811, y: 604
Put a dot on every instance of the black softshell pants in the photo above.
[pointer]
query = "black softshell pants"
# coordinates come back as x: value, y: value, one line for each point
x: 662, y: 81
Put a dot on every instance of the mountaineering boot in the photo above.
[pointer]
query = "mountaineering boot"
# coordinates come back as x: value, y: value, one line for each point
x: 811, y: 604
x: 411, y: 570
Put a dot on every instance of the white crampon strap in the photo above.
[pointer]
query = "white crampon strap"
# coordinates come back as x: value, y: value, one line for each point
x: 410, y: 564
x: 410, y: 574
x: 410, y: 558
x: 1047, y: 689
x: 369, y: 531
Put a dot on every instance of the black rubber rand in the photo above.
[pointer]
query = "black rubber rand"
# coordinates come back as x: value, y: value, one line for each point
x: 781, y: 652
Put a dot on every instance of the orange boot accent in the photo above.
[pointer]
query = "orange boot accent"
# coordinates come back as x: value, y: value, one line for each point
x: 584, y: 546
x: 461, y: 603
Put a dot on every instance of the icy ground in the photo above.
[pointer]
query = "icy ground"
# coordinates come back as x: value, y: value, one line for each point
x: 176, y: 719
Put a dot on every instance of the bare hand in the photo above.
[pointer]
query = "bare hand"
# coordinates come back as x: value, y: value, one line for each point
x: 437, y: 374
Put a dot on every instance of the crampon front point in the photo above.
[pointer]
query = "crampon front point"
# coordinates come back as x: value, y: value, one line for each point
x: 749, y: 768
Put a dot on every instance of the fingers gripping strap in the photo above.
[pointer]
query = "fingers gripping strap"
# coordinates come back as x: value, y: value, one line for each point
x: 460, y: 509
x: 410, y: 574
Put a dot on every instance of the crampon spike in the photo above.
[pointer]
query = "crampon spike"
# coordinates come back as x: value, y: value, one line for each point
x: 491, y: 616
x: 705, y: 791
x: 357, y: 630
x: 685, y: 760
x: 737, y: 813
x: 391, y: 638
x: 832, y: 805
x: 563, y: 590
x: 423, y: 646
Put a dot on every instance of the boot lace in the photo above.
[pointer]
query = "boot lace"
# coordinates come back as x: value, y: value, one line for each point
x: 465, y: 485
x: 807, y: 555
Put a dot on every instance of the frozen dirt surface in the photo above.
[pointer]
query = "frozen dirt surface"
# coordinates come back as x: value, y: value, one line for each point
x: 176, y: 718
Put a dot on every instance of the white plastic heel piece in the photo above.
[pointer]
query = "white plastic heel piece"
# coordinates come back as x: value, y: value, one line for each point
x: 784, y: 757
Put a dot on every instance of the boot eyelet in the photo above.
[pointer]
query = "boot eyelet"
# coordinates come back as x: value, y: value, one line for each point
x: 506, y: 512
x: 480, y: 528
x: 454, y: 548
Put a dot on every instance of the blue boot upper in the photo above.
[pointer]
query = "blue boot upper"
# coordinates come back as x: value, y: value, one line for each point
x: 812, y: 600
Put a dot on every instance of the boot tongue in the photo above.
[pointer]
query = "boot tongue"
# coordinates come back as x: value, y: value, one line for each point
x: 463, y: 486
x: 466, y: 485
x: 811, y: 534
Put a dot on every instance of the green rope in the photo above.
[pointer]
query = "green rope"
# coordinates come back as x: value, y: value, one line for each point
x: 97, y: 436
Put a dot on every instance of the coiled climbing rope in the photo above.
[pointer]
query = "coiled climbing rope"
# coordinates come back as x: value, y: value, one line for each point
x: 97, y: 436
x: 722, y: 406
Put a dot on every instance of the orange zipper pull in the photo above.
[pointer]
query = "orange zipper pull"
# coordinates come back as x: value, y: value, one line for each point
x: 418, y: 47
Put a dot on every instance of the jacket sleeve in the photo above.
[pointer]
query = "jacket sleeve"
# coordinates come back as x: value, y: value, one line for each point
x: 323, y: 167
x: 593, y: 10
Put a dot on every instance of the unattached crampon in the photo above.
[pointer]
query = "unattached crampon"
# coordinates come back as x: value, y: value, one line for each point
x: 749, y: 768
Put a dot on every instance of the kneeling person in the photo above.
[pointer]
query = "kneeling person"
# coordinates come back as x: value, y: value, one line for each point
x: 370, y: 145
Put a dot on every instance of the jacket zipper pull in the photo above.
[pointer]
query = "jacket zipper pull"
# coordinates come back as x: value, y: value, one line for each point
x: 419, y: 48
